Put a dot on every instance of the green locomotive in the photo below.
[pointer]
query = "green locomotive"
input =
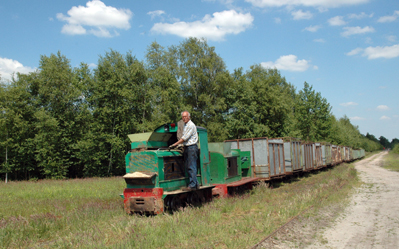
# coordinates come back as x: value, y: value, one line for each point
x: 155, y: 174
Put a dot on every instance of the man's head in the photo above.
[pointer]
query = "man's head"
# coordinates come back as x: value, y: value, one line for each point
x: 185, y: 116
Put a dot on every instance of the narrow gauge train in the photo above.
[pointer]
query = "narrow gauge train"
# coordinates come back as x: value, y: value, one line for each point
x: 155, y: 175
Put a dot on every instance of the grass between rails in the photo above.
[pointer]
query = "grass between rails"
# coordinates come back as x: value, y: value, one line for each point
x: 89, y: 214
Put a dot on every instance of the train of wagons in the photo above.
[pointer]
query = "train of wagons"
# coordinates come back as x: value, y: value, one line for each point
x: 155, y: 174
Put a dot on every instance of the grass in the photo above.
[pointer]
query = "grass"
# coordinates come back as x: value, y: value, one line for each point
x: 391, y: 161
x: 89, y: 213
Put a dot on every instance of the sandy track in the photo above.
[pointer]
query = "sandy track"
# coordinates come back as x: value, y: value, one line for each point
x: 370, y: 221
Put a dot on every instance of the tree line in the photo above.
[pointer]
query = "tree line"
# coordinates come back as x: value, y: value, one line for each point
x: 65, y: 122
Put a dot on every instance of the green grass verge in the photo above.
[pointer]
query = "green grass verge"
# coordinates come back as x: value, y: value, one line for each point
x: 89, y: 213
x: 391, y: 161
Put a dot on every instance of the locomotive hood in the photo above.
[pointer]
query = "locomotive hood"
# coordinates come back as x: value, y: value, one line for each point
x: 159, y: 138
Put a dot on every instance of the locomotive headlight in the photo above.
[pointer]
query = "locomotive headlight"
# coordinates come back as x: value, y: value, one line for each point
x: 166, y: 128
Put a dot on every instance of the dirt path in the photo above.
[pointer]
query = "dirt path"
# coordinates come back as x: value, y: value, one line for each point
x: 370, y: 221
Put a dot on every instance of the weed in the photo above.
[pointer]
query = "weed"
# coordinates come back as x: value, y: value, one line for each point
x: 391, y: 161
x: 89, y: 213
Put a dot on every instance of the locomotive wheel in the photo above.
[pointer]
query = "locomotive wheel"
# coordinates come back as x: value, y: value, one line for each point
x: 194, y: 199
x: 168, y: 203
x: 242, y: 189
x: 175, y: 203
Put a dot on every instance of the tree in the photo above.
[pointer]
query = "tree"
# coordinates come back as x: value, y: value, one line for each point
x: 384, y: 142
x: 203, y: 78
x: 394, y: 142
x: 240, y: 121
x: 164, y: 92
x: 17, y: 128
x: 260, y: 104
x: 120, y: 104
x: 272, y: 96
x: 57, y: 96
x: 313, y: 114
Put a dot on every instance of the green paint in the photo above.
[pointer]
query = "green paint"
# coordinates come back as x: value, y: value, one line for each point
x: 150, y: 158
x: 220, y: 152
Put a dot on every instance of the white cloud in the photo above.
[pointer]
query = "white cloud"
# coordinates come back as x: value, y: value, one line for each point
x: 336, y: 21
x: 155, y: 13
x: 360, y: 16
x: 300, y: 15
x: 355, y: 51
x: 357, y: 118
x: 212, y: 28
x: 313, y: 28
x: 277, y: 20
x: 289, y: 63
x: 307, y: 3
x: 9, y: 66
x: 383, y: 108
x: 389, y: 18
x: 391, y: 38
x: 349, y: 104
x: 385, y: 118
x: 387, y: 52
x: 319, y: 40
x: 356, y: 30
x: 97, y: 17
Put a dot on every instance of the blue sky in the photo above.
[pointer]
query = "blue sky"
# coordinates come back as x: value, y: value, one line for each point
x: 347, y: 49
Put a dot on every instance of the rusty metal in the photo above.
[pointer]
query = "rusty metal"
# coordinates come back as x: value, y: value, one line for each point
x: 308, y: 156
x: 174, y: 167
x: 260, y: 168
x: 243, y: 181
x: 276, y: 157
x: 146, y: 204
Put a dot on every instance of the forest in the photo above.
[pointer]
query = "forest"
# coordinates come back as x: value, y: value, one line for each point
x: 62, y: 122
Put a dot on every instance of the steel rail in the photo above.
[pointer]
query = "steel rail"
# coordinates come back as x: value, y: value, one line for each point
x: 292, y: 219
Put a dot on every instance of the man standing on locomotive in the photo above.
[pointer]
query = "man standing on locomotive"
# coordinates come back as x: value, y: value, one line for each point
x: 189, y: 140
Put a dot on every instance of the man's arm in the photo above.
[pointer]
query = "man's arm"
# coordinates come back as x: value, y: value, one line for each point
x: 188, y: 133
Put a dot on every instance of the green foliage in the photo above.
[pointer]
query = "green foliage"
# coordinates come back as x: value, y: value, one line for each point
x: 395, y: 149
x: 120, y: 105
x: 16, y: 125
x: 64, y: 122
x: 260, y: 104
x: 313, y: 114
x: 384, y: 142
x: 203, y: 78
x: 165, y: 91
x: 394, y: 142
